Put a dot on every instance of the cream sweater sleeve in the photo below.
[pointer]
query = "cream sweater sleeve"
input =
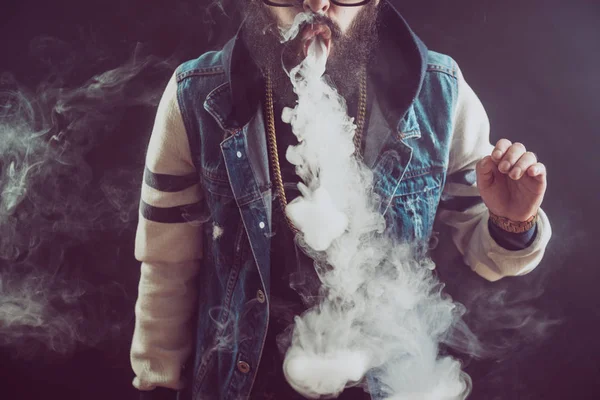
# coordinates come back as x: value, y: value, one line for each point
x: 168, y: 246
x: 462, y: 208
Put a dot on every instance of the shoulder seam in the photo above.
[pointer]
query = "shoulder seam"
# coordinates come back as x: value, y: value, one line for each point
x: 453, y: 72
x: 200, y: 72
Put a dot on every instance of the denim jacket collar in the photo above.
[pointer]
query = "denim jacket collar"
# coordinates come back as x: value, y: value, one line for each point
x: 245, y: 82
x: 398, y: 69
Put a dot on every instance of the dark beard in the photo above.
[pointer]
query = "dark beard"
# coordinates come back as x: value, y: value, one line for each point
x: 349, y: 52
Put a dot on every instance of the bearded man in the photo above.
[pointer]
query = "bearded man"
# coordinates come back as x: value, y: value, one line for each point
x: 221, y: 275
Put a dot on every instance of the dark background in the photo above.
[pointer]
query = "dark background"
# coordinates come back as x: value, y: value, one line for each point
x: 535, y: 66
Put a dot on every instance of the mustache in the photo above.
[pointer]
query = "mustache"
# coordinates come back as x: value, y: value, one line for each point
x: 319, y: 19
x: 305, y: 19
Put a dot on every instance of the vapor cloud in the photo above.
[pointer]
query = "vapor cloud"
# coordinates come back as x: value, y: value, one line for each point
x: 64, y: 207
x: 383, y: 312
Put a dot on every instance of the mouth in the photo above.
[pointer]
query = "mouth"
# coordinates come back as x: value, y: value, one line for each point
x: 312, y: 32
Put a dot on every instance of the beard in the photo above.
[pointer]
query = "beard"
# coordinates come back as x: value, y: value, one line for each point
x: 348, y: 56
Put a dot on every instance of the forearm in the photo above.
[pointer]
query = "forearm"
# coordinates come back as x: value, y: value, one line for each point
x: 162, y: 340
x: 170, y: 252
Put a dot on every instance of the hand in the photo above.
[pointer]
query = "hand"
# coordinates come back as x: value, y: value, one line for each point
x: 511, y: 181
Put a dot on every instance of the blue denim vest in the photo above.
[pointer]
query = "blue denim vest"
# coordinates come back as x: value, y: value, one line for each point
x: 410, y: 130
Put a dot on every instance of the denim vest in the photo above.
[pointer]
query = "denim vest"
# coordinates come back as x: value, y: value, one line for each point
x: 411, y: 124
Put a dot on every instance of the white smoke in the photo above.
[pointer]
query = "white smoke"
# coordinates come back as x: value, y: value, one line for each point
x: 66, y: 211
x: 382, y: 311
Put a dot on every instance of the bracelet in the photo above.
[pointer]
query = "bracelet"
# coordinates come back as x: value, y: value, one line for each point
x: 513, y: 226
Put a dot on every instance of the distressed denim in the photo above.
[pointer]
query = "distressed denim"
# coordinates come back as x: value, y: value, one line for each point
x: 410, y: 164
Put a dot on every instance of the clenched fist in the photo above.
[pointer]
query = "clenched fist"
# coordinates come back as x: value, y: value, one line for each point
x: 511, y: 181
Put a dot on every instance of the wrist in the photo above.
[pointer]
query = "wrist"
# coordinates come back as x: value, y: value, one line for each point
x: 512, y: 226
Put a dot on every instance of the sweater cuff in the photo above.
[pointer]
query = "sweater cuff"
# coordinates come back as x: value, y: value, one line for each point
x: 160, y: 393
x: 510, y: 240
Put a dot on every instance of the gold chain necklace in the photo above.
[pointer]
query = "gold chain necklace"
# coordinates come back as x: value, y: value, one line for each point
x: 272, y: 138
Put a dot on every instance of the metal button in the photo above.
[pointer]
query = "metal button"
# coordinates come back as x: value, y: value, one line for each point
x: 239, y: 154
x: 260, y: 296
x: 243, y: 367
x: 261, y: 225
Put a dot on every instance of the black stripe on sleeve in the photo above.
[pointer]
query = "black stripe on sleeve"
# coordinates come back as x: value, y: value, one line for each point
x: 169, y: 183
x: 460, y: 203
x: 467, y: 177
x: 171, y: 215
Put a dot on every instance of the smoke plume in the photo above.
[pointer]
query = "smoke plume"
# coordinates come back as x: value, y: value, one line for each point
x: 382, y: 312
x: 66, y: 210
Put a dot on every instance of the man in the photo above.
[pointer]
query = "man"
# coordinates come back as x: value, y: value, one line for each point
x: 218, y: 255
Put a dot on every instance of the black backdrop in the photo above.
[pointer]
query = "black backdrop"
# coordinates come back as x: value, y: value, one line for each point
x: 534, y: 65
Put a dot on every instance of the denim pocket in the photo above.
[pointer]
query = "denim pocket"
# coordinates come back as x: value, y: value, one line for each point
x: 217, y: 183
x: 414, y: 206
